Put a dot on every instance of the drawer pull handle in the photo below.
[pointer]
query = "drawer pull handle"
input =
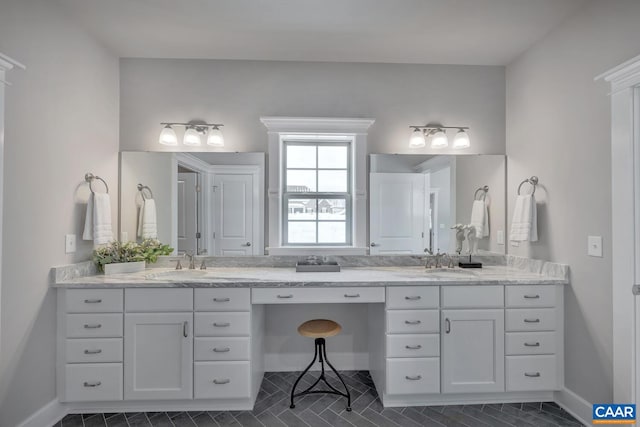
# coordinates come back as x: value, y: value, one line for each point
x: 224, y: 381
x: 413, y: 298
x: 352, y: 295
x: 222, y: 350
x: 447, y: 326
x: 185, y: 329
x: 96, y: 326
x: 535, y: 344
x: 96, y: 384
x: 222, y: 325
x: 531, y: 320
x: 98, y: 351
x: 530, y: 375
x: 414, y: 378
x: 532, y: 296
x: 92, y: 301
x: 412, y: 322
x: 413, y: 347
x: 285, y: 296
x: 222, y: 299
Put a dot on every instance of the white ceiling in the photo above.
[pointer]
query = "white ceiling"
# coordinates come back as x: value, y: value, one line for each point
x: 484, y: 32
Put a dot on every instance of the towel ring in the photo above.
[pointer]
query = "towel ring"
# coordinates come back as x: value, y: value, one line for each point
x: 533, y: 181
x: 89, y: 177
x: 141, y: 189
x: 485, y: 189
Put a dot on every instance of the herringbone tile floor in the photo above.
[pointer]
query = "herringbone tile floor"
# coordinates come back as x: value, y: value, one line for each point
x: 272, y: 410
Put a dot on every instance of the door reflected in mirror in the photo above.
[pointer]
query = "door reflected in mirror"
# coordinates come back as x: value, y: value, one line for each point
x: 428, y: 202
x: 204, y: 203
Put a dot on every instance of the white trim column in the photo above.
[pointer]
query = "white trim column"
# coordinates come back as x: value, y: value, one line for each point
x: 625, y: 177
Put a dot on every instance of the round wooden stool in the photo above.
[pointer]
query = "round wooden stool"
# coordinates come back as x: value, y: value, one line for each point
x: 320, y: 329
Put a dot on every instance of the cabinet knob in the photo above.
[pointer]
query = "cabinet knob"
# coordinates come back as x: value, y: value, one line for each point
x: 529, y: 344
x: 247, y: 244
x: 531, y: 320
x: 413, y: 378
x: 222, y: 350
x: 412, y: 322
x: 222, y: 299
x: 95, y: 384
x: 98, y: 351
x: 413, y: 298
x: 373, y: 245
x: 96, y: 326
x: 92, y: 301
x: 532, y: 296
x: 223, y: 381
x: 447, y: 326
x: 532, y: 375
x: 413, y: 347
x: 285, y: 296
x: 352, y: 295
x: 185, y: 329
x: 222, y: 325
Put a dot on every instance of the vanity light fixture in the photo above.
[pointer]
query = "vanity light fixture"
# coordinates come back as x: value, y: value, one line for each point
x: 437, y: 135
x: 193, y: 134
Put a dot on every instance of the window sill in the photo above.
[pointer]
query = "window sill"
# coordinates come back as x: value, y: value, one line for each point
x: 316, y: 250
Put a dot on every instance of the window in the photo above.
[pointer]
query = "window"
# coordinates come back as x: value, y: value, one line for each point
x: 316, y: 193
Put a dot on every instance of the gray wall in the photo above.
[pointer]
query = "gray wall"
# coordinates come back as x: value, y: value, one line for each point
x: 61, y: 121
x: 558, y: 127
x: 238, y: 93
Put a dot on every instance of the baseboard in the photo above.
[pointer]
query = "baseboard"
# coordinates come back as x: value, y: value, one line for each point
x: 575, y: 405
x: 46, y: 416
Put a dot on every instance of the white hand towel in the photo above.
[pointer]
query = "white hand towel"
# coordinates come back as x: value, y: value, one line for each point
x: 480, y: 218
x: 102, y: 231
x: 524, y: 225
x: 87, y: 234
x: 147, y: 220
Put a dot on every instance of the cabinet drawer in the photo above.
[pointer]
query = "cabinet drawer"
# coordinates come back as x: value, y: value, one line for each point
x: 158, y: 300
x: 413, y: 321
x: 317, y: 295
x: 526, y: 373
x: 93, y: 382
x: 475, y: 296
x: 222, y: 299
x: 413, y: 376
x: 530, y: 296
x: 413, y: 345
x: 523, y: 319
x: 94, y: 350
x: 222, y: 380
x: 413, y: 297
x: 530, y: 343
x: 93, y: 300
x: 213, y: 349
x: 94, y: 325
x: 223, y: 324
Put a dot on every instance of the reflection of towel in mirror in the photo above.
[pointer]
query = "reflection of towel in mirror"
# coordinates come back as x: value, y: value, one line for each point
x: 147, y: 221
x: 480, y: 218
x: 97, y: 222
x: 524, y: 225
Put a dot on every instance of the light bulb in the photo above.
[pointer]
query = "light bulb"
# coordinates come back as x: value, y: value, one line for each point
x: 439, y: 139
x: 461, y: 139
x: 192, y: 137
x: 215, y: 138
x: 168, y: 136
x: 417, y: 139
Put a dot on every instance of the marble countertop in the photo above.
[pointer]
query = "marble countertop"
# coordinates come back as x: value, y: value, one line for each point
x: 264, y: 277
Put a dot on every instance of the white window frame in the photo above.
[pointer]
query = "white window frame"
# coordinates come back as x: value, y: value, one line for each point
x: 281, y: 129
x: 625, y: 177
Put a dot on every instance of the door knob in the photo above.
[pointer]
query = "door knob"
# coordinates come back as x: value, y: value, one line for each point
x: 373, y: 244
x: 247, y: 244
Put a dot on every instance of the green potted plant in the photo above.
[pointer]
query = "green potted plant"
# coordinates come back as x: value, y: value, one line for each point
x: 128, y: 257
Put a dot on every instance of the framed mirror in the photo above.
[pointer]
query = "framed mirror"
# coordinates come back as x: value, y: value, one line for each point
x: 205, y: 203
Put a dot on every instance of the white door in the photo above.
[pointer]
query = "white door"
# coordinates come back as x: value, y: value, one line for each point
x: 187, y: 212
x: 233, y: 214
x: 397, y: 213
x: 472, y: 351
x: 158, y: 356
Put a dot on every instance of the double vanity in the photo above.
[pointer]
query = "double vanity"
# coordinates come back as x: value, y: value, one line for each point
x: 194, y: 339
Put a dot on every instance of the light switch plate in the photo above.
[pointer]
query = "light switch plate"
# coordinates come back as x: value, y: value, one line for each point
x: 594, y: 246
x: 500, y: 237
x: 69, y: 243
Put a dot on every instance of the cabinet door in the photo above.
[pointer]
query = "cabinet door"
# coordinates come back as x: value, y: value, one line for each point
x: 472, y: 351
x: 158, y: 356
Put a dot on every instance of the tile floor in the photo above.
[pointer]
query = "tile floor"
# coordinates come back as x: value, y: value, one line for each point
x: 272, y: 410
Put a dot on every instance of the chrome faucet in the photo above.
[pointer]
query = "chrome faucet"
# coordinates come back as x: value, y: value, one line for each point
x: 450, y: 264
x: 439, y: 257
x: 427, y: 258
x: 192, y: 260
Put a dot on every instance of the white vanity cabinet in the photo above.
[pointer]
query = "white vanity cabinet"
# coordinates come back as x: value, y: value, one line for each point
x: 158, y: 344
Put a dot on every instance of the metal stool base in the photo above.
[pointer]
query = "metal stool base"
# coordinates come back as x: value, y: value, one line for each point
x: 321, y: 353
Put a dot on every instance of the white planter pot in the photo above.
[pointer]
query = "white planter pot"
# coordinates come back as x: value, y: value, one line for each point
x: 124, y: 267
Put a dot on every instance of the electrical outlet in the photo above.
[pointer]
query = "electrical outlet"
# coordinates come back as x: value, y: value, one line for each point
x: 70, y: 243
x: 594, y: 246
x: 500, y: 237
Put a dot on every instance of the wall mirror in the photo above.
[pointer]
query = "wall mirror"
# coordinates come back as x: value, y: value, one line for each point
x: 415, y: 200
x: 202, y: 203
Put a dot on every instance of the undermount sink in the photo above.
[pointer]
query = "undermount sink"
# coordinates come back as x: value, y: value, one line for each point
x: 451, y: 272
x: 177, y: 275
